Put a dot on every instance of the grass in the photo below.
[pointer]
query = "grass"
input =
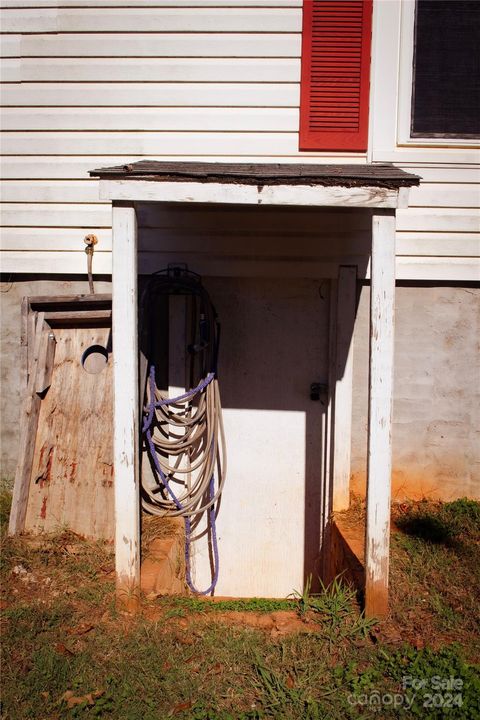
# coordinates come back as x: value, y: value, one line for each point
x: 435, y: 670
x: 67, y: 653
x: 435, y: 575
x: 190, y: 604
x: 447, y: 523
x: 332, y: 609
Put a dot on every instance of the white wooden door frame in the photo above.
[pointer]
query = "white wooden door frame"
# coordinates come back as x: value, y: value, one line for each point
x: 346, y: 299
x: 124, y: 194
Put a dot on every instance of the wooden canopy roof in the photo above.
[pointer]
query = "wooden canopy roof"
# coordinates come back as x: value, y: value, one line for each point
x: 381, y: 176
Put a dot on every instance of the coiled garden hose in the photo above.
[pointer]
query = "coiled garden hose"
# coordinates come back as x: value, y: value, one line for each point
x: 184, y: 436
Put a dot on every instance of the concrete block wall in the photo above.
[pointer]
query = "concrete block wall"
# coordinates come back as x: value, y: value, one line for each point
x: 436, y: 414
x: 436, y: 432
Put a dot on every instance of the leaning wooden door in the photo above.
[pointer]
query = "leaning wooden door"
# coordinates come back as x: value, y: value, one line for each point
x: 69, y: 482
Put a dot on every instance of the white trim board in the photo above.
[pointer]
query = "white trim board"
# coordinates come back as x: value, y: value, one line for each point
x: 299, y: 195
x: 392, y: 55
x: 405, y: 85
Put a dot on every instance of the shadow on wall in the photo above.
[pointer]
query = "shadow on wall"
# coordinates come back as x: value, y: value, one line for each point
x: 274, y: 345
x: 263, y: 268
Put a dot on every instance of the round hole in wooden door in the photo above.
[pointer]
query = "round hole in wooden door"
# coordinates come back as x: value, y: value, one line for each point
x: 95, y: 359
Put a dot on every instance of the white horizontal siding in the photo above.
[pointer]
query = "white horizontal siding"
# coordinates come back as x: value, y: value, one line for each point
x: 428, y: 156
x: 75, y: 263
x: 155, y: 19
x: 449, y: 269
x: 409, y: 245
x: 144, y: 119
x: 49, y: 191
x: 446, y: 195
x: 150, y: 143
x: 440, y: 220
x: 91, y: 84
x: 99, y: 215
x: 223, y: 242
x: 181, y: 228
x: 446, y: 269
x: 154, y: 69
x: 42, y: 167
x: 93, y: 4
x: 441, y: 173
x: 156, y: 94
x: 52, y: 215
x: 27, y: 239
x: 149, y: 44
x: 438, y: 244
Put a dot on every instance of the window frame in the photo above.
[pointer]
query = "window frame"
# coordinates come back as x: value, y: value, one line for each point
x: 405, y: 89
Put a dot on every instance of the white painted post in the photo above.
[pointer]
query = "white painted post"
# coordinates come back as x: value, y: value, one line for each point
x: 125, y: 384
x: 379, y: 457
x: 346, y: 307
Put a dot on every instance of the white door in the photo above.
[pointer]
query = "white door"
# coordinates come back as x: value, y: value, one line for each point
x: 274, y: 344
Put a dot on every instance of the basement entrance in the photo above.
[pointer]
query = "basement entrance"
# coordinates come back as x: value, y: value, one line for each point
x: 378, y: 190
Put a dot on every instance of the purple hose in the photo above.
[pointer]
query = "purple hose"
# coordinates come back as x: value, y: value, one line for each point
x: 146, y: 429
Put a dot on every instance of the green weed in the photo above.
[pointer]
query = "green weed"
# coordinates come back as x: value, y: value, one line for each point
x: 304, y: 598
x: 334, y: 608
x: 281, y: 700
x: 197, y: 605
x: 424, y: 674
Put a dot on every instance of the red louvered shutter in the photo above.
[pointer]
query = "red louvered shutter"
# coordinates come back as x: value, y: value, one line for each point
x: 335, y: 74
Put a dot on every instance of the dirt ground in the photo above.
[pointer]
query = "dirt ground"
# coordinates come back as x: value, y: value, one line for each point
x: 68, y: 652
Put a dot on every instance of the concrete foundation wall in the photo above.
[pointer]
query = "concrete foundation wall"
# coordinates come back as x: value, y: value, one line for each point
x: 437, y: 385
x: 436, y: 432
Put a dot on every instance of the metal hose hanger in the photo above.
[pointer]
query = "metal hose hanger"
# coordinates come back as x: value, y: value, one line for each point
x: 184, y: 436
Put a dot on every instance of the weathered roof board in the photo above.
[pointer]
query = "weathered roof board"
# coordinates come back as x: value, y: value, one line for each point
x: 385, y: 176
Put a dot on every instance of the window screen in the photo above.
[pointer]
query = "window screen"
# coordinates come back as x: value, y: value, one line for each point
x: 446, y: 88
